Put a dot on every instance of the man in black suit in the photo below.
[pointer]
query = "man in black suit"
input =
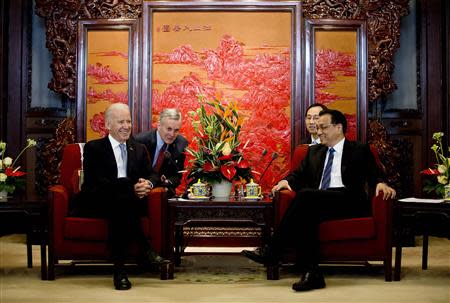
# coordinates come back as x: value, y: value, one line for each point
x: 166, y: 144
x: 117, y: 178
x: 330, y: 184
x: 311, y: 118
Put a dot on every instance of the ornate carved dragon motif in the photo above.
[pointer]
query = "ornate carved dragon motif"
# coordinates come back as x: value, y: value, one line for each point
x: 388, y: 154
x: 383, y: 26
x: 61, y: 23
x: 47, y: 173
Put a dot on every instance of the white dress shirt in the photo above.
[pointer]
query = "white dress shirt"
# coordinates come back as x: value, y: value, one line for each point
x: 315, y: 141
x: 159, y: 144
x: 336, y: 172
x: 121, y: 165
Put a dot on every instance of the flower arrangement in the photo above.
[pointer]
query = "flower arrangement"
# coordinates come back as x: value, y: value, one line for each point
x: 218, y: 155
x: 442, y: 170
x: 11, y: 176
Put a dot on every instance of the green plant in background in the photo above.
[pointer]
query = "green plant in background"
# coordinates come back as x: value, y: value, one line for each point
x: 441, y: 172
x: 11, y: 177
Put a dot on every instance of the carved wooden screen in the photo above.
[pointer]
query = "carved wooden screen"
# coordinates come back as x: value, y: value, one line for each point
x: 107, y: 52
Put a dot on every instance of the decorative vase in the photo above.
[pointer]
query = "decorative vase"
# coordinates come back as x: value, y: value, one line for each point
x: 221, y: 190
x: 3, y: 196
x: 447, y: 192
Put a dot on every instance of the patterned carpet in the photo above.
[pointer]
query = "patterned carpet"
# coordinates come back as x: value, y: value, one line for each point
x: 223, y: 278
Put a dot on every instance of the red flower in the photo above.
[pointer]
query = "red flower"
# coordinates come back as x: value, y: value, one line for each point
x: 243, y: 164
x: 227, y: 157
x: 207, y: 166
x: 11, y: 173
x: 430, y: 172
x: 228, y: 171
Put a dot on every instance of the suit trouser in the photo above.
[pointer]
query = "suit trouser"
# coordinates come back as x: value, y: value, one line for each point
x: 299, y: 227
x: 123, y: 210
x: 124, y: 221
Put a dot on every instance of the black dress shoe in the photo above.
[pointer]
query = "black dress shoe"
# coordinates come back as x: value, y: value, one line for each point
x: 154, y: 259
x: 260, y: 255
x: 121, y: 281
x: 310, y: 280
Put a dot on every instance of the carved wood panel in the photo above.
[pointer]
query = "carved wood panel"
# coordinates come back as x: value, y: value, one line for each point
x: 383, y: 22
x: 61, y: 19
x: 383, y: 31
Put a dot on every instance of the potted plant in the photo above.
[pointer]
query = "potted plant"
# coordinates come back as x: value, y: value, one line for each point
x: 440, y: 184
x: 217, y: 157
x: 11, y: 177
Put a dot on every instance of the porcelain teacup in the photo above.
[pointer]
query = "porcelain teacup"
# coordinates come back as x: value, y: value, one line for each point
x: 252, y: 189
x: 200, y: 189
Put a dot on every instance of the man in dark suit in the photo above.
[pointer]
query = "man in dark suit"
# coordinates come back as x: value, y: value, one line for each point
x: 311, y: 118
x: 117, y: 178
x: 330, y: 184
x: 166, y: 147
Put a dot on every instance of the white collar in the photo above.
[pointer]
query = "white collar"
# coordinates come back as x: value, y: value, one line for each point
x: 339, y: 147
x: 315, y: 140
x: 114, y: 142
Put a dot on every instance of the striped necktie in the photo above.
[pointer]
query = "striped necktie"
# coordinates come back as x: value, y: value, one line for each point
x: 123, y: 154
x: 160, y: 159
x: 326, y: 178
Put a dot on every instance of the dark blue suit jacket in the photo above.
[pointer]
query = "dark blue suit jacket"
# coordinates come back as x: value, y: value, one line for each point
x: 358, y: 168
x: 175, y: 160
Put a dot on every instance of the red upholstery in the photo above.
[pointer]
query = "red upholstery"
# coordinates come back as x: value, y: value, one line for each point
x: 73, y: 238
x: 358, y: 239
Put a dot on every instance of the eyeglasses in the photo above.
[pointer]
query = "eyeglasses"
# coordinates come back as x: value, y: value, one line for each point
x: 324, y: 127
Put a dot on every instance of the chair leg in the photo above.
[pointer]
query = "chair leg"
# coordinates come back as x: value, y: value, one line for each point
x: 273, y: 272
x: 51, y: 263
x: 388, y: 269
x: 166, y: 271
x: 51, y: 271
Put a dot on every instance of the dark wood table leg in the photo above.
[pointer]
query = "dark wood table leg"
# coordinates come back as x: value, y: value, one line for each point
x: 425, y: 252
x: 178, y: 244
x: 29, y: 250
x: 398, y: 260
x: 44, y: 275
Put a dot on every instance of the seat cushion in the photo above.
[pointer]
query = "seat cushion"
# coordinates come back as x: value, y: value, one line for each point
x: 92, y: 229
x: 338, y: 230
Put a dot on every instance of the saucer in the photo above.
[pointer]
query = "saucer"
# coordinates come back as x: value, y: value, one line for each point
x: 253, y: 198
x: 192, y: 197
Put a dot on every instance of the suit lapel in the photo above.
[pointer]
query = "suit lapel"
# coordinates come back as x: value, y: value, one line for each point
x: 346, y: 156
x: 154, y: 142
x: 131, y: 155
x: 318, y: 154
x: 110, y: 158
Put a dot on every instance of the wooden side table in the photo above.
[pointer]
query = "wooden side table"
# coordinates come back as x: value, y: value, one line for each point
x: 421, y: 218
x: 20, y: 214
x: 183, y: 212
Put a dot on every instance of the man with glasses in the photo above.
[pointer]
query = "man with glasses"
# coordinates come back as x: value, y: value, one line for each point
x: 330, y: 184
x: 311, y: 118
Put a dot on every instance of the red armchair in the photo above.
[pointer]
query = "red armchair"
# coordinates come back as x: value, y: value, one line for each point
x: 356, y: 239
x: 75, y: 238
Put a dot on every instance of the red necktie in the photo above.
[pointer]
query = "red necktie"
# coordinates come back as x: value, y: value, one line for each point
x: 160, y: 159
